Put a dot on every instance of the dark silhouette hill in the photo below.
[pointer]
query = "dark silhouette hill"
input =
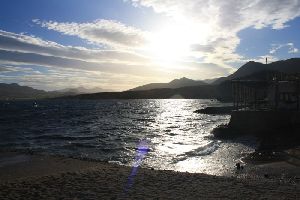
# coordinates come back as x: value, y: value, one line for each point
x: 82, y: 90
x: 178, y: 88
x: 251, y: 68
x: 286, y: 66
x: 220, y: 88
x: 256, y: 71
x: 248, y: 69
x: 176, y: 83
x: 15, y: 91
x: 210, y: 81
x: 192, y: 92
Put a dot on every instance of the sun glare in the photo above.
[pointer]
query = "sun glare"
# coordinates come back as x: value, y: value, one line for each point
x: 173, y: 42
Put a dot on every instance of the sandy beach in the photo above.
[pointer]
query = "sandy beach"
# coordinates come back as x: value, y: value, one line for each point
x: 25, y: 176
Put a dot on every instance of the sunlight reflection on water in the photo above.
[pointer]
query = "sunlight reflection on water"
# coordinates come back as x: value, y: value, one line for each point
x: 109, y: 130
x: 183, y: 141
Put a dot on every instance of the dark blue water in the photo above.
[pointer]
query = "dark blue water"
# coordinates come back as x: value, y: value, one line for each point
x: 111, y: 130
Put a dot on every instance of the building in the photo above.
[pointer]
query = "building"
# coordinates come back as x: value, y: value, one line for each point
x: 279, y: 92
x: 264, y: 107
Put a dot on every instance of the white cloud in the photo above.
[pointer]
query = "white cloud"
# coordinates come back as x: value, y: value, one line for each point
x: 209, y: 26
x: 290, y: 48
x: 31, y: 44
x: 105, y: 32
x: 262, y: 59
x: 220, y: 20
x: 9, y: 68
x: 123, y: 69
x: 60, y: 78
x: 231, y: 14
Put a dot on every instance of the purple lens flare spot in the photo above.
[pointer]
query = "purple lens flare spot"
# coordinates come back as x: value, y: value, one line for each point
x: 141, y: 152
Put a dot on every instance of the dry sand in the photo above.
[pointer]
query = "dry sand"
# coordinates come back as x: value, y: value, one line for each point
x: 24, y: 176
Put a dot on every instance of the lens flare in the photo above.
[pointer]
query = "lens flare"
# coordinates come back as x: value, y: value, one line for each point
x: 141, y: 152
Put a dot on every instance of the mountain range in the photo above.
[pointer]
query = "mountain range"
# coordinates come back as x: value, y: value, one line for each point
x: 179, y: 88
x: 250, y: 68
x: 83, y: 90
x: 16, y: 91
x: 176, y: 83
x: 218, y: 88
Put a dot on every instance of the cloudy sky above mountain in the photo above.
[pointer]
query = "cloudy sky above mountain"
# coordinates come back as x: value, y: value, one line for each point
x: 120, y: 44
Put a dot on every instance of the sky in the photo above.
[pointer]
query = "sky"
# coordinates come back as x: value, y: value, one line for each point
x: 120, y: 44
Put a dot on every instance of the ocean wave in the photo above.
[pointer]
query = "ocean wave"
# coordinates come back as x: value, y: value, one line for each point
x: 200, y: 151
x: 144, y: 120
x: 63, y: 137
x: 111, y: 130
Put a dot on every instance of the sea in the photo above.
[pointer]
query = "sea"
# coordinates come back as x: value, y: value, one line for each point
x: 163, y: 134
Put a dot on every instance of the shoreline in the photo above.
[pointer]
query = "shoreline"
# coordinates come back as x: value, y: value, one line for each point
x: 26, y: 176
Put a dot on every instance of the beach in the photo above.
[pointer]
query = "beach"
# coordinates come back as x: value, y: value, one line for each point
x: 27, y: 176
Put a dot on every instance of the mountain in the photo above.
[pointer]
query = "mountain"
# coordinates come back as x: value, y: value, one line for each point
x: 255, y: 68
x: 82, y: 90
x: 286, y: 66
x: 210, y: 81
x: 178, y: 88
x: 176, y: 83
x: 191, y: 92
x: 219, y: 80
x: 15, y: 91
x: 256, y: 71
x: 248, y: 69
x: 219, y: 89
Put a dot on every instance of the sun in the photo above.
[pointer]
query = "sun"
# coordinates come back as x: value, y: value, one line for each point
x: 169, y: 43
x: 173, y: 42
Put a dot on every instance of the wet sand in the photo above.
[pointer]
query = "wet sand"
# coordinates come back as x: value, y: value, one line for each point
x: 25, y: 176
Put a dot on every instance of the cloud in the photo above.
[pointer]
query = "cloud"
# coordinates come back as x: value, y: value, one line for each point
x: 262, y: 59
x: 122, y: 69
x: 104, y: 32
x: 220, y: 21
x: 210, y: 26
x: 290, y: 47
x: 231, y: 14
x: 10, y: 68
x: 120, y: 61
x: 30, y: 44
x: 59, y: 62
x: 202, y: 48
x: 60, y: 78
x: 24, y: 49
x: 4, y: 69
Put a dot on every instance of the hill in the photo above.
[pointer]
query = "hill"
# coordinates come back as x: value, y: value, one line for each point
x: 176, y: 83
x: 15, y: 91
x: 178, y: 88
x: 255, y: 68
x: 82, y: 90
x: 256, y: 71
x: 192, y: 92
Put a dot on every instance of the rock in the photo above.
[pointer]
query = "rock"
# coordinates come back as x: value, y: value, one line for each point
x: 238, y: 166
x: 266, y: 176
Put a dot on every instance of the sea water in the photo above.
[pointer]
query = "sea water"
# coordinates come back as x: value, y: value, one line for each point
x: 176, y: 137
